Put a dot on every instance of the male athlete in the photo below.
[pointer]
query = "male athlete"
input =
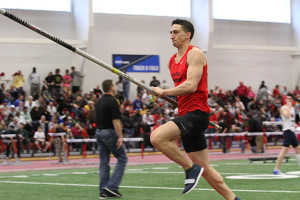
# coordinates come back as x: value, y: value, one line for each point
x: 188, y: 69
x: 288, y: 126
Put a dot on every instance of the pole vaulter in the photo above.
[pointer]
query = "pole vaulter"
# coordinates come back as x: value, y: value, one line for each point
x: 87, y: 56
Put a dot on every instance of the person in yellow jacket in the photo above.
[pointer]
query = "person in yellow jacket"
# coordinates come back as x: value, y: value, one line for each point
x: 18, y: 81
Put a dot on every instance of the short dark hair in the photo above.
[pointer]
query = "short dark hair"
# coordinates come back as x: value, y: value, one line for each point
x: 186, y: 25
x: 290, y: 95
x: 106, y: 85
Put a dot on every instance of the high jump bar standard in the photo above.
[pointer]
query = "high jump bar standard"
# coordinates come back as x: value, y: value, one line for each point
x: 87, y: 56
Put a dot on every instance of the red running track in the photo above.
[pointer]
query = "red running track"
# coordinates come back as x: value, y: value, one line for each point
x: 132, y: 160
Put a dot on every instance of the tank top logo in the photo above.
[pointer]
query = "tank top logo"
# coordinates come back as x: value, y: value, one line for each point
x: 176, y: 77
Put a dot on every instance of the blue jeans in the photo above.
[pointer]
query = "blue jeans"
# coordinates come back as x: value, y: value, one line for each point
x: 107, y: 140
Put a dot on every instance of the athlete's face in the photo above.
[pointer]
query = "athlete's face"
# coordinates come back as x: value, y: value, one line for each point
x: 178, y: 35
x: 289, y: 99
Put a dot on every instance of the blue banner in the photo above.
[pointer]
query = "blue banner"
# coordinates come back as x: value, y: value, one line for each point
x: 136, y: 63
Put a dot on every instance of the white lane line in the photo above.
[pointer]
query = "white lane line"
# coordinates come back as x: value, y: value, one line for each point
x: 144, y: 187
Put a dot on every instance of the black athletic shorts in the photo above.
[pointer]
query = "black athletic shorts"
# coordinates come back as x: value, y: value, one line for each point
x: 192, y: 127
x: 289, y: 139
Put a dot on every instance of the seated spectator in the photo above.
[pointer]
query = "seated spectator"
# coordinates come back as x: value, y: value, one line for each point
x: 147, y: 98
x: 66, y: 116
x: 127, y: 124
x: 12, y: 111
x: 26, y: 115
x: 239, y: 104
x: 44, y: 111
x: 51, y: 108
x: 2, y: 113
x: 77, y: 131
x: 97, y: 91
x: 18, y: 100
x: 16, y: 121
x: 10, y: 130
x: 35, y: 117
x: 30, y: 103
x: 39, y: 140
x: 138, y: 103
x: 44, y: 124
x: 23, y: 137
x: 20, y: 107
x: 3, y: 126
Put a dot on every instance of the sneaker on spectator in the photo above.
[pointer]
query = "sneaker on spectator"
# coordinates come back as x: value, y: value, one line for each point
x: 277, y: 172
x: 107, y: 195
x: 192, y: 178
x: 113, y: 192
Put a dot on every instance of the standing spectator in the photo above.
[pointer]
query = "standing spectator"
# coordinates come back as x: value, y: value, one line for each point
x: 251, y: 94
x: 263, y: 94
x: 49, y: 83
x: 296, y: 91
x: 18, y: 81
x: 242, y: 92
x: 255, y: 126
x: 110, y: 140
x: 276, y: 91
x: 67, y: 80
x: 154, y: 82
x: 223, y: 139
x: 262, y: 85
x: 126, y: 87
x: 58, y: 141
x: 34, y: 81
x: 76, y: 79
x: 2, y: 95
x: 57, y: 81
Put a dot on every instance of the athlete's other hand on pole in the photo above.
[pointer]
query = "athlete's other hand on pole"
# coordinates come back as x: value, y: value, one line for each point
x: 158, y: 92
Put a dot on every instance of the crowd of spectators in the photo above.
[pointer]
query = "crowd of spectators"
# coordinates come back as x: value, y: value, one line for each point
x: 57, y: 104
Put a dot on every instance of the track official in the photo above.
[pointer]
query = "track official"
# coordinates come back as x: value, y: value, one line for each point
x: 110, y: 140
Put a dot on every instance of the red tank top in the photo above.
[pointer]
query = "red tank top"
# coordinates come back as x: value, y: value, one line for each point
x: 192, y: 101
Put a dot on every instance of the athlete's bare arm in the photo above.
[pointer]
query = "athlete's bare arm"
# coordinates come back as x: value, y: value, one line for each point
x: 286, y: 111
x: 195, y: 61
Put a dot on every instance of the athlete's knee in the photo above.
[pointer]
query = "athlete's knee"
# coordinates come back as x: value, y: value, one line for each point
x: 154, y: 138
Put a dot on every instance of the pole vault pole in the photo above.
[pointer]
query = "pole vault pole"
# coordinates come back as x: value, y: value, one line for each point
x: 86, y: 55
